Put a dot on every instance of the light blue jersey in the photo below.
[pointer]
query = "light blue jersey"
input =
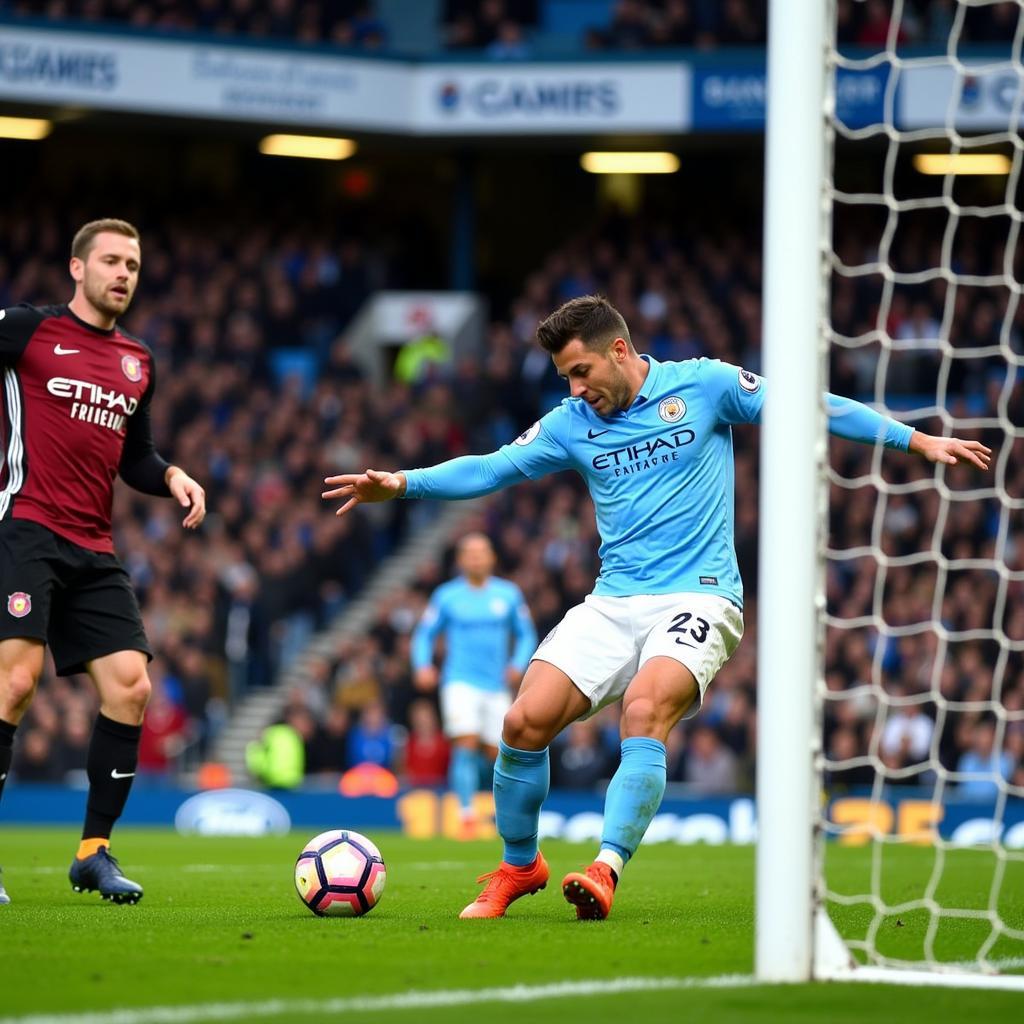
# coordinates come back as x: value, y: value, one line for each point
x: 486, y: 629
x: 660, y: 473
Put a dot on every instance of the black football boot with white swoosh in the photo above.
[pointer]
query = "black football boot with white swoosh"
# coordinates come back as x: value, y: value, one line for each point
x: 102, y: 873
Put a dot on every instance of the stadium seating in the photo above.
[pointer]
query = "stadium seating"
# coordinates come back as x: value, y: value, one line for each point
x: 690, y: 299
x: 518, y: 29
x: 227, y: 608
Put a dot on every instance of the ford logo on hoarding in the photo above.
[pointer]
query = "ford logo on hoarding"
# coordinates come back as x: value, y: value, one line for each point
x: 232, y: 812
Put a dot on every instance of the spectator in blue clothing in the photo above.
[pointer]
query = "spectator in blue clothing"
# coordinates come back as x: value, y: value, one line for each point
x: 985, y: 763
x: 369, y: 741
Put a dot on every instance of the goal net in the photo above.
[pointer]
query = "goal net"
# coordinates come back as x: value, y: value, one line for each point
x: 919, y: 862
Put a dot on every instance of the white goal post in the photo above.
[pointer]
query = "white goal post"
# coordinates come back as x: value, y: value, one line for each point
x: 792, y: 451
x: 796, y: 939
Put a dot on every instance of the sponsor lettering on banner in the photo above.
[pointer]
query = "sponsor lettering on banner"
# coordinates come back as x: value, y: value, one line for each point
x: 552, y: 97
x: 78, y: 64
x: 118, y: 72
x: 735, y: 96
x: 929, y: 95
x: 579, y: 817
x: 232, y: 812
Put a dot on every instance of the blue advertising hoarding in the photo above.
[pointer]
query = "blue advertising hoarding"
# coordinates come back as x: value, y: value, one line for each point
x: 573, y: 816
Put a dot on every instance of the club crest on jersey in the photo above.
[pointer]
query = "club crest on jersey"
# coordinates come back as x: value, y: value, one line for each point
x: 131, y: 367
x: 19, y: 604
x: 528, y: 435
x: 749, y: 381
x: 671, y: 410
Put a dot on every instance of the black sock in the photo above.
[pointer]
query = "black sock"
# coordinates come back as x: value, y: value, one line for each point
x: 113, y: 755
x: 6, y: 749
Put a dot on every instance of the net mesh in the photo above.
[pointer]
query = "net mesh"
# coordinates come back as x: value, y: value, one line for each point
x: 922, y: 689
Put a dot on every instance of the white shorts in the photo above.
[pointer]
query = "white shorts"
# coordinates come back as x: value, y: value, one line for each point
x: 469, y: 711
x: 602, y: 644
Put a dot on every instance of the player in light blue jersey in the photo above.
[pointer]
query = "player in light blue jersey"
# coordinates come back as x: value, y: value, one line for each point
x: 489, y: 639
x: 654, y: 443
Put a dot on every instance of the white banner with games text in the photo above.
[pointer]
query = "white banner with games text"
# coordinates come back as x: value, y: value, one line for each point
x: 285, y: 86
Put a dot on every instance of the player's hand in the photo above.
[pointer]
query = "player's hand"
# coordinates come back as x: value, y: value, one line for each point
x: 373, y: 485
x: 950, y: 450
x: 425, y: 679
x: 513, y: 677
x: 189, y: 495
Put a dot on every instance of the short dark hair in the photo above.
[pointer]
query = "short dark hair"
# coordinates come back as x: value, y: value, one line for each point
x: 86, y: 234
x: 591, y: 318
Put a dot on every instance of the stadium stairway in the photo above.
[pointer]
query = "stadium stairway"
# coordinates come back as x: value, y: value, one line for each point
x: 261, y: 707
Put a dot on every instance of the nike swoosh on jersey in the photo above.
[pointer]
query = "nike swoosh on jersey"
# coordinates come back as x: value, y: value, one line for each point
x: 596, y: 433
x: 115, y: 774
x: 59, y: 351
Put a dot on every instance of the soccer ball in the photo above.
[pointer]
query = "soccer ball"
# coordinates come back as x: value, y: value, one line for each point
x: 340, y: 874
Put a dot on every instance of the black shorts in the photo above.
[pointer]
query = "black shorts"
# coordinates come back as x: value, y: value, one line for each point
x: 78, y: 601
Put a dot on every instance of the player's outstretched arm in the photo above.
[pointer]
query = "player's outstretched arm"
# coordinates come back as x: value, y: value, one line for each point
x: 370, y: 486
x: 468, y: 476
x: 950, y: 450
x: 857, y: 422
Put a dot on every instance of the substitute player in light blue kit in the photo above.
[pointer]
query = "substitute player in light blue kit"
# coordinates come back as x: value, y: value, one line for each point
x: 489, y: 638
x: 654, y: 443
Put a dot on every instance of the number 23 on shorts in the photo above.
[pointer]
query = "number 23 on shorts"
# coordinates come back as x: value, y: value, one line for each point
x: 688, y: 625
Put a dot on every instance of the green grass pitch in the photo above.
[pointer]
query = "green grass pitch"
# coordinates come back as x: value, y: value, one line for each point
x: 221, y: 924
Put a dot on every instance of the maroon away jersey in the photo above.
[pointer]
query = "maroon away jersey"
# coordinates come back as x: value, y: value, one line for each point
x: 76, y: 404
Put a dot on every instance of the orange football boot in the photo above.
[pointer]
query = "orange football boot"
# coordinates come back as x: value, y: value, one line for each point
x: 506, y: 885
x: 591, y: 892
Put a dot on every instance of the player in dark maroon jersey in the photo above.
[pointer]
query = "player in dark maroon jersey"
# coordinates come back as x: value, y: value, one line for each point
x: 75, y: 397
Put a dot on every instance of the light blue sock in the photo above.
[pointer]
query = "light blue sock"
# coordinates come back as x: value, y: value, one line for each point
x: 462, y: 776
x: 521, y: 781
x: 634, y: 795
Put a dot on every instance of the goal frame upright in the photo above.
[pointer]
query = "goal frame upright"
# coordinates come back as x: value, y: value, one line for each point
x: 792, y: 450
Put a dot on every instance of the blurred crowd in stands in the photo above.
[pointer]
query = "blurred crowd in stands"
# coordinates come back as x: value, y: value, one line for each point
x: 504, y: 28
x: 343, y: 23
x: 510, y: 29
x: 225, y: 609
x: 891, y: 702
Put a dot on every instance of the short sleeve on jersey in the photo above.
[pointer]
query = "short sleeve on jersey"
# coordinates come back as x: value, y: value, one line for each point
x: 542, y: 448
x: 17, y: 325
x: 736, y: 394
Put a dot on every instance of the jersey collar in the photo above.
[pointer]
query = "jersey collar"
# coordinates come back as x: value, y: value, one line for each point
x: 650, y: 385
x: 104, y: 332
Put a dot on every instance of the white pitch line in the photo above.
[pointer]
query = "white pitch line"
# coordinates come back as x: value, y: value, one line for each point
x: 366, y: 1004
x: 1007, y: 963
x: 929, y: 979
